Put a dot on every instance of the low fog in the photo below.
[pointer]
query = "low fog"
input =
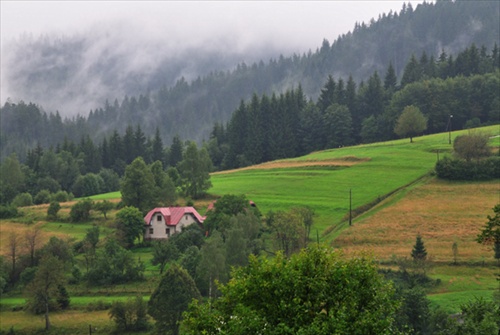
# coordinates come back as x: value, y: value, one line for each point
x: 76, y: 73
x: 73, y: 56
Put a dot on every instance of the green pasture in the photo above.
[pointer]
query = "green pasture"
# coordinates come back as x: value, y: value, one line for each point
x: 450, y: 302
x: 104, y: 196
x: 460, y: 284
x: 76, y: 302
x: 385, y: 168
x: 75, y: 230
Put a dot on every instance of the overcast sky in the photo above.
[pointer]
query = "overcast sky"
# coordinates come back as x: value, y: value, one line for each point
x: 295, y: 25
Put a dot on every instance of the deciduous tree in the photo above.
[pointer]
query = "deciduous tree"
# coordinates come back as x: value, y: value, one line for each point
x: 195, y: 170
x: 130, y: 222
x: 411, y: 122
x: 164, y: 251
x: 45, y: 285
x: 314, y: 292
x: 471, y: 146
x: 104, y: 207
x: 138, y: 186
x: 171, y: 298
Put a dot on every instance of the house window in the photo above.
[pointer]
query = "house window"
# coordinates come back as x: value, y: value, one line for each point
x: 186, y: 217
x: 168, y: 232
x: 151, y: 231
x: 158, y: 218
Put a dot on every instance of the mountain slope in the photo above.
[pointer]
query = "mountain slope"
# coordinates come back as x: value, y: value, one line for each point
x: 69, y: 75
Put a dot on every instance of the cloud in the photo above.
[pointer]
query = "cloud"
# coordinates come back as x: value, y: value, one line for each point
x: 97, y: 50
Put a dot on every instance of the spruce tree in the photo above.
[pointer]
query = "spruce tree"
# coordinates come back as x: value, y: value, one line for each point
x: 419, y: 253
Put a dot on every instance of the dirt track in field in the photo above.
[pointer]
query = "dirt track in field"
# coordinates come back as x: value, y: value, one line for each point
x: 343, y: 161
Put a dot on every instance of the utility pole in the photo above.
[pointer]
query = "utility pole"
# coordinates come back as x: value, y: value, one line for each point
x: 350, y: 207
x: 449, y: 133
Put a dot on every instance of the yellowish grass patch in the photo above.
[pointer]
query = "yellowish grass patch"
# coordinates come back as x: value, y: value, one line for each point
x: 343, y: 161
x: 441, y: 212
x: 68, y: 322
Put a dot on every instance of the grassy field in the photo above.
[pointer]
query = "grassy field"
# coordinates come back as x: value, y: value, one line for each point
x: 441, y: 212
x: 73, y: 322
x: 379, y: 170
x: 393, y: 177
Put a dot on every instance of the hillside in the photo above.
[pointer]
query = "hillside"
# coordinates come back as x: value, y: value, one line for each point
x: 322, y: 180
x: 162, y: 95
x: 394, y: 198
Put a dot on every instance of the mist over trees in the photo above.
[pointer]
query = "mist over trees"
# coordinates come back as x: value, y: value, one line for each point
x: 188, y: 106
x: 265, y: 128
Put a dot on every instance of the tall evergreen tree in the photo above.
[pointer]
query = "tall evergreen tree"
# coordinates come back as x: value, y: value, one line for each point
x: 176, y: 151
x: 157, y: 148
x: 129, y: 152
x: 327, y: 94
x: 419, y: 253
x: 412, y: 72
x: 390, y: 79
x: 337, y: 120
x: 254, y: 144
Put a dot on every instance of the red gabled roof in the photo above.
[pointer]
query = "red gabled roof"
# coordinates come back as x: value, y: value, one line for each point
x: 173, y: 215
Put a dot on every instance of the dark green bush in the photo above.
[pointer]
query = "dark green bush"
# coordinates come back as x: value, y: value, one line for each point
x: 459, y: 169
x: 42, y: 197
x: 7, y: 212
x: 53, y: 209
x: 81, y: 210
x: 61, y: 196
x: 22, y: 200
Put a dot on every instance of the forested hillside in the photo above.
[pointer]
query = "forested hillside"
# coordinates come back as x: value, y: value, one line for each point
x: 189, y: 109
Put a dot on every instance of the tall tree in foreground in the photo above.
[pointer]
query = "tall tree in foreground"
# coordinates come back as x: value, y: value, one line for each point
x: 277, y: 296
x: 171, y: 298
x: 490, y: 234
x: 46, y: 285
x: 411, y: 122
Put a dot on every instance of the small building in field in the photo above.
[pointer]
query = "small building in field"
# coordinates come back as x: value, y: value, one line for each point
x: 163, y: 222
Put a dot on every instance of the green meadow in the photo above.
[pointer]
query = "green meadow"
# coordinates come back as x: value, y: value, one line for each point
x: 382, y: 169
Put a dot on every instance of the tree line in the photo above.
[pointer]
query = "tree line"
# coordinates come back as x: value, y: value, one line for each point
x: 288, y: 125
x: 190, y: 107
x: 266, y: 127
x: 59, y: 175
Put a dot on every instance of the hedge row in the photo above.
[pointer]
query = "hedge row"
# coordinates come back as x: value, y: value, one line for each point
x: 459, y: 169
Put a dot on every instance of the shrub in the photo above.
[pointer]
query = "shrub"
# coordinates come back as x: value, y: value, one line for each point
x: 22, y: 200
x: 130, y: 315
x: 42, y: 197
x: 53, y: 209
x: 81, y: 210
x: 61, y: 196
x: 458, y: 169
x: 111, y: 180
x: 98, y: 305
x: 7, y: 212
x: 88, y: 184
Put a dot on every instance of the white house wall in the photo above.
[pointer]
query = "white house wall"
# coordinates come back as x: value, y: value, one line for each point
x: 160, y: 228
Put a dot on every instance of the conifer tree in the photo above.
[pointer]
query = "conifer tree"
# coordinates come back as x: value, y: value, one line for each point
x: 419, y: 253
x: 390, y: 79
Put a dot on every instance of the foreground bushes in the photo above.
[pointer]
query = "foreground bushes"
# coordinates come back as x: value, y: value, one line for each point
x: 459, y: 169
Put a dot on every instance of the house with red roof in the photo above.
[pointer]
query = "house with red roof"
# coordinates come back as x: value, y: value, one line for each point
x: 163, y: 222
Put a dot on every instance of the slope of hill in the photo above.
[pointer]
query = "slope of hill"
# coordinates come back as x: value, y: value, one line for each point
x: 322, y: 180
x: 376, y: 171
